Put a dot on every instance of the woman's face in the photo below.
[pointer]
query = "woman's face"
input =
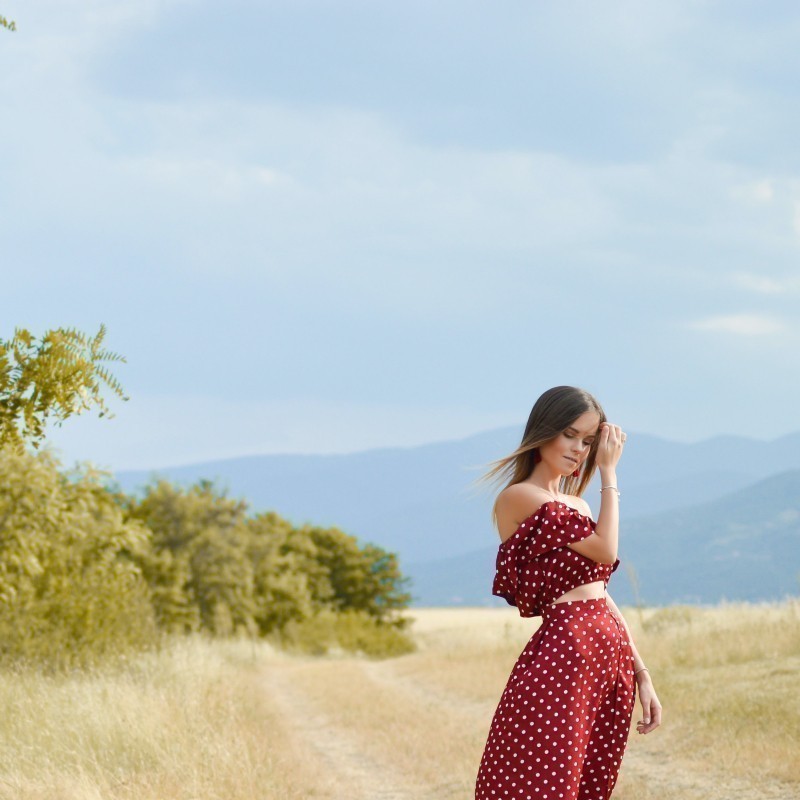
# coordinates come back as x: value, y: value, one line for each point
x: 567, y: 451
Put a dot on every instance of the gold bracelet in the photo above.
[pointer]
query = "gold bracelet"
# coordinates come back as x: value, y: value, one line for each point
x: 643, y: 669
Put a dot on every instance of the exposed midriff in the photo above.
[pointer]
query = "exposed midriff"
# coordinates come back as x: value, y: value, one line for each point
x: 585, y: 591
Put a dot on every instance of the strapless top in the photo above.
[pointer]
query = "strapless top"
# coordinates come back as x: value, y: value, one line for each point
x: 535, y: 566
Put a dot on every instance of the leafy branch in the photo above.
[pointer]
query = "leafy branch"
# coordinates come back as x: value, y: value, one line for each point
x: 58, y: 375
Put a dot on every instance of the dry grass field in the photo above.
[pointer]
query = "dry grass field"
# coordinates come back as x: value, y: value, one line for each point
x: 238, y: 721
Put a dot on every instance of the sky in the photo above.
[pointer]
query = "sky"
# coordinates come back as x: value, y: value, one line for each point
x: 317, y: 227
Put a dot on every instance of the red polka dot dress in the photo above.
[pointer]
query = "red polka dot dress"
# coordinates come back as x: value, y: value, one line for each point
x: 560, y: 729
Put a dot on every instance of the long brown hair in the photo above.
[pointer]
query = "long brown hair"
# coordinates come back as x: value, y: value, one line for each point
x: 551, y: 414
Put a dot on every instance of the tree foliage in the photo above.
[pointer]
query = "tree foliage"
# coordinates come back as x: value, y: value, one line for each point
x: 87, y: 571
x: 70, y: 590
x: 7, y: 23
x: 197, y: 564
x: 59, y: 375
x: 213, y: 567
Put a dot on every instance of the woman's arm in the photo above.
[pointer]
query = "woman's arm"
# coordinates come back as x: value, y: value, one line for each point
x: 651, y: 708
x: 602, y: 545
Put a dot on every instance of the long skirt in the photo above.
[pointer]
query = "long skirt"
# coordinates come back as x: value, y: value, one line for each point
x: 560, y: 729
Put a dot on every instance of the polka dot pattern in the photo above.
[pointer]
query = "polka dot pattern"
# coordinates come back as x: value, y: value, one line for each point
x: 562, y: 724
x: 534, y: 565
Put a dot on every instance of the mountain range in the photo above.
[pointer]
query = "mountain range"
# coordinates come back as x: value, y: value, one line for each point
x: 699, y: 523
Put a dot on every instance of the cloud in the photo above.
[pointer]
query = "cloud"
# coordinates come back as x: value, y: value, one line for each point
x: 763, y: 191
x: 759, y: 191
x: 740, y: 324
x: 767, y: 285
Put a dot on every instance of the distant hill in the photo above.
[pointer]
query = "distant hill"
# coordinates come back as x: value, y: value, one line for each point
x: 418, y: 501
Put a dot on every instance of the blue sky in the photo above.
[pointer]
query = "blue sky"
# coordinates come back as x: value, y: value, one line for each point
x: 323, y: 227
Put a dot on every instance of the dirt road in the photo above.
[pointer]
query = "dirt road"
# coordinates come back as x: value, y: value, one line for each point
x: 378, y: 730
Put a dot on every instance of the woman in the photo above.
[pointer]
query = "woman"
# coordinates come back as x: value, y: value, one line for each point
x: 560, y: 729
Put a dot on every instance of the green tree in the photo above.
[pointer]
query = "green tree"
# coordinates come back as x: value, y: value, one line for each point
x: 289, y: 582
x: 59, y: 374
x: 199, y: 568
x: 300, y: 572
x: 71, y: 592
x: 7, y: 23
x: 364, y: 578
x: 213, y: 567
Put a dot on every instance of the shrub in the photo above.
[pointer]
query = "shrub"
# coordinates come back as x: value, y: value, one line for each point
x: 70, y: 594
x: 329, y: 632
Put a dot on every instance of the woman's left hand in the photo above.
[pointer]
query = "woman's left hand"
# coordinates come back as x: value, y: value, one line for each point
x: 651, y: 708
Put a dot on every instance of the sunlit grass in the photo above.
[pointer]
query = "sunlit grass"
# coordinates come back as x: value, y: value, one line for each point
x: 207, y: 719
x: 189, y: 722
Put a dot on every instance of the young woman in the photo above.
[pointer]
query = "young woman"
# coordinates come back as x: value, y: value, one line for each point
x: 560, y: 729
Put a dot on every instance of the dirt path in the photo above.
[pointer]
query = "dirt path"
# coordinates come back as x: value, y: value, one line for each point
x: 349, y: 771
x: 386, y: 674
x: 654, y: 768
x: 649, y: 770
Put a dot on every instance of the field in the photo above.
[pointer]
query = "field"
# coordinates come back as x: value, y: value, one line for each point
x: 239, y: 721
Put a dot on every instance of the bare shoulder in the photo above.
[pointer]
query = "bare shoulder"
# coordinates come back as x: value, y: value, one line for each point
x: 515, y: 504
x: 580, y: 504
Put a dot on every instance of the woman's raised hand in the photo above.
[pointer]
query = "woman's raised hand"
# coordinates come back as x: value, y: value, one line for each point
x: 612, y: 440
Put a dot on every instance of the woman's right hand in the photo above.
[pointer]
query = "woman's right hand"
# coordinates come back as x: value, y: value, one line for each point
x: 612, y: 440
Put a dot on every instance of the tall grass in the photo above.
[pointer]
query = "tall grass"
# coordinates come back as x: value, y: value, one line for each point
x: 729, y: 678
x: 207, y: 718
x: 187, y: 722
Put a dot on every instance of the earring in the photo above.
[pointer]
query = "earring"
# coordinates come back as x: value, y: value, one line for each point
x: 536, y: 457
x: 577, y: 473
